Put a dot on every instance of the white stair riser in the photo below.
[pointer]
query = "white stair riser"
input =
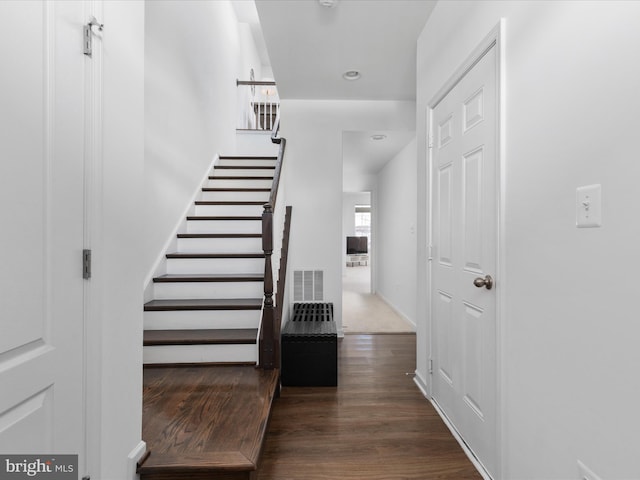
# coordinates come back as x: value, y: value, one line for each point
x: 236, y: 196
x: 199, y: 354
x: 214, y: 265
x: 229, y: 210
x: 224, y: 226
x: 239, y: 183
x: 219, y: 245
x: 190, y: 290
x: 234, y: 163
x: 245, y: 172
x: 201, y: 319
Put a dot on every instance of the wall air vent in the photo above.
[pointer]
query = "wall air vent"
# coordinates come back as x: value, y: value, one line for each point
x: 308, y: 285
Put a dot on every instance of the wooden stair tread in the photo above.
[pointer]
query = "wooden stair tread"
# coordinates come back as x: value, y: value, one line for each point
x: 229, y: 202
x: 247, y: 157
x: 205, y: 421
x: 191, y: 465
x: 238, y: 177
x: 231, y: 189
x: 215, y: 255
x: 204, y: 304
x: 208, y: 277
x: 244, y: 167
x: 219, y: 235
x: 235, y: 336
x: 223, y: 217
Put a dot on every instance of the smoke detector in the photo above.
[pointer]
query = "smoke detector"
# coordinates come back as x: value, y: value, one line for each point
x: 328, y: 3
x: 351, y: 75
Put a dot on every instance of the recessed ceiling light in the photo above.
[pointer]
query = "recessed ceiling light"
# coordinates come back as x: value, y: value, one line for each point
x: 328, y: 3
x: 378, y: 137
x: 351, y: 75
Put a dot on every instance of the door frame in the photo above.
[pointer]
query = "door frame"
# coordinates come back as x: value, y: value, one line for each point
x: 495, y: 39
x: 93, y: 135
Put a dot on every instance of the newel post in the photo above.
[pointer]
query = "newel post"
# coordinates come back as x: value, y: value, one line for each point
x: 268, y: 331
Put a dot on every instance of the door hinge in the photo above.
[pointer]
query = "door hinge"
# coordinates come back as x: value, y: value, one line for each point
x: 86, y: 264
x: 430, y: 142
x: 430, y: 366
x: 87, y: 37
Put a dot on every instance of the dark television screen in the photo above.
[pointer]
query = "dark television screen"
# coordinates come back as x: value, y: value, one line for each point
x: 357, y: 245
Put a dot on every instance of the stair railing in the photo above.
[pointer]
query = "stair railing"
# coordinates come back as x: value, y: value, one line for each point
x: 258, y: 105
x: 269, y: 342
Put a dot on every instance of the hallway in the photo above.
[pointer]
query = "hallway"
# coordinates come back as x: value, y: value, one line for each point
x: 375, y: 425
x: 363, y: 312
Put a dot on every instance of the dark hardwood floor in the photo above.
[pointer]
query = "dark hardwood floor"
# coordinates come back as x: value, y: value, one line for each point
x: 205, y: 422
x: 376, y: 425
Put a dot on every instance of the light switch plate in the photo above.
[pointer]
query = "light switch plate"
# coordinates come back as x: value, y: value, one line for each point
x: 589, y: 206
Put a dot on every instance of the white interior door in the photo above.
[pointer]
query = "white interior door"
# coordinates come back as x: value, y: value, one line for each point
x: 464, y: 233
x: 41, y: 219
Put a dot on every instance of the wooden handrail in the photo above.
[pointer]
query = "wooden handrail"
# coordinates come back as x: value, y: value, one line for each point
x: 282, y: 275
x: 269, y: 345
x: 276, y: 175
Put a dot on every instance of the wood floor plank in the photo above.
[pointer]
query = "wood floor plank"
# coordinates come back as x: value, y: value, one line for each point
x: 375, y: 425
x: 204, y: 419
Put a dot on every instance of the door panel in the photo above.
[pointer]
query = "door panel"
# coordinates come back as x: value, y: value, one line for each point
x: 41, y: 213
x: 472, y: 212
x: 445, y: 221
x: 465, y: 246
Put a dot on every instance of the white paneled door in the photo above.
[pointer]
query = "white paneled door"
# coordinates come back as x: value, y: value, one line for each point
x: 41, y: 220
x: 464, y: 236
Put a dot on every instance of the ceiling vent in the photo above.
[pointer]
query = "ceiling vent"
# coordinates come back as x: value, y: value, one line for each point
x: 328, y: 3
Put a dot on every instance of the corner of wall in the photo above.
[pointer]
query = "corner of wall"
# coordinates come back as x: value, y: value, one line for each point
x: 133, y: 458
x: 159, y: 267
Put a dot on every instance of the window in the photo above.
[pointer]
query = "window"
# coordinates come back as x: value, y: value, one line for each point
x: 363, y: 223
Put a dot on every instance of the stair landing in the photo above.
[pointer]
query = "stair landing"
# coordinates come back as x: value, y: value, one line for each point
x: 203, y: 422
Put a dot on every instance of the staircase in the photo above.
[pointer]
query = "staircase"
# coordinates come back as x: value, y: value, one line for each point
x: 206, y: 308
x: 206, y: 412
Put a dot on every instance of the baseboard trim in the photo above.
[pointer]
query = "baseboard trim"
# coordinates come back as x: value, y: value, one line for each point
x: 395, y: 309
x: 422, y: 384
x: 134, y: 457
x: 465, y: 448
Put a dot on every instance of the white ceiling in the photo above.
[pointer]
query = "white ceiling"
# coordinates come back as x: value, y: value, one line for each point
x: 363, y: 154
x: 311, y: 46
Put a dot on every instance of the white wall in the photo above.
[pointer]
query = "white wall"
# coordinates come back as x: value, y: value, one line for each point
x: 569, y: 340
x: 396, y: 232
x: 313, y: 178
x: 248, y: 59
x: 192, y: 53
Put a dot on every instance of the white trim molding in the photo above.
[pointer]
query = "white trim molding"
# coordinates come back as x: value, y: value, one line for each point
x: 133, y: 458
x: 465, y: 448
x: 495, y: 38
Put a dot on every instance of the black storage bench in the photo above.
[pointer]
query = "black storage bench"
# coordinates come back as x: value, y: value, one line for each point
x: 310, y: 347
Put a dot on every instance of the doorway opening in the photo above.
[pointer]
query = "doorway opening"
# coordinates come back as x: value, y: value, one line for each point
x: 357, y: 242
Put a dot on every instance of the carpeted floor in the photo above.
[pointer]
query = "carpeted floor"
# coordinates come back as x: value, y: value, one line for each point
x: 366, y: 313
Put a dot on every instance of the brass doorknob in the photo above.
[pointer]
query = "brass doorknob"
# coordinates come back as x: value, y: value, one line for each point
x: 486, y: 282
